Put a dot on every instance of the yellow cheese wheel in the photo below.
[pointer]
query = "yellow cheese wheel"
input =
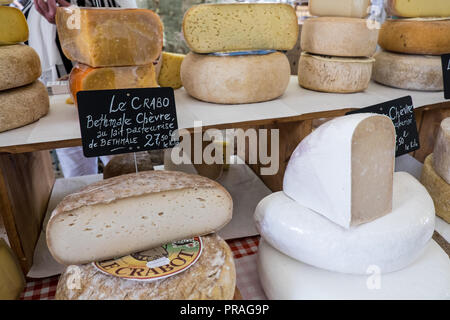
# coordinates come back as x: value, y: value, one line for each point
x: 418, y: 8
x: 12, y: 281
x: 13, y: 26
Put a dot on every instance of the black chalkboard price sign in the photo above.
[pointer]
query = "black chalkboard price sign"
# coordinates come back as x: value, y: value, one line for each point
x: 126, y: 120
x: 401, y: 112
x: 446, y: 74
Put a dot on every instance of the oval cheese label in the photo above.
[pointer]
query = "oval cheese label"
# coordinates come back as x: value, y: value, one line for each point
x: 154, y: 264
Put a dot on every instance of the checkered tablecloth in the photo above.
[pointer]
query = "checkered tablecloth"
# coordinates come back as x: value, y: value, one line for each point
x: 244, y: 250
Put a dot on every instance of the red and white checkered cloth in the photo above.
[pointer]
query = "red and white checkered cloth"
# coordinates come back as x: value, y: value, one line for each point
x: 244, y: 250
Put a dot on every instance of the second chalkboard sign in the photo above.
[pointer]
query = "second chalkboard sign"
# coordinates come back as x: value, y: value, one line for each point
x: 126, y: 120
x: 401, y: 112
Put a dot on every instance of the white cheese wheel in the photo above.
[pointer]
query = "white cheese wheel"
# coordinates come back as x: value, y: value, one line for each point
x: 331, y: 74
x: 441, y: 152
x: 344, y: 169
x: 287, y: 279
x: 338, y: 36
x: 391, y: 242
x: 235, y: 79
x: 343, y: 8
x: 406, y: 71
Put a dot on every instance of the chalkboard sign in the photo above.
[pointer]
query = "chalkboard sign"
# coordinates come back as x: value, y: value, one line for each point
x: 126, y: 120
x: 401, y: 112
x: 446, y: 74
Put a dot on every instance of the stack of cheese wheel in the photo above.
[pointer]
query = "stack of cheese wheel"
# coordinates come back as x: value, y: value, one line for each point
x: 234, y: 58
x: 412, y: 45
x: 436, y: 172
x: 136, y: 215
x: 23, y: 99
x: 114, y: 48
x: 337, y: 47
x: 345, y: 225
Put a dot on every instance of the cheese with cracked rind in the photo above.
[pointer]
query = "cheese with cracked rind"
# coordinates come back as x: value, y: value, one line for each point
x: 441, y: 151
x: 418, y: 8
x: 343, y: 8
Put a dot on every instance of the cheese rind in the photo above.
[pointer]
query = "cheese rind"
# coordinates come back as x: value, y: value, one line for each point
x: 23, y: 105
x: 345, y: 8
x: 418, y: 8
x: 391, y: 242
x: 212, y: 277
x: 441, y: 152
x: 169, y: 75
x: 83, y: 77
x: 330, y: 74
x: 415, y: 36
x: 438, y: 188
x: 233, y: 27
x: 129, y: 213
x: 235, y: 79
x: 19, y: 65
x: 406, y: 71
x: 13, y: 26
x: 284, y: 278
x: 125, y: 163
x: 338, y: 36
x: 12, y: 280
x: 344, y: 169
x: 110, y: 37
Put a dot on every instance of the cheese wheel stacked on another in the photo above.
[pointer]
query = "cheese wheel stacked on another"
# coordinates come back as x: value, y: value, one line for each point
x: 413, y: 44
x: 337, y: 47
x: 344, y: 215
x: 234, y: 58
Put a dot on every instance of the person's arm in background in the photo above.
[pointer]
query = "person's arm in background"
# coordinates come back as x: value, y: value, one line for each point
x: 47, y: 8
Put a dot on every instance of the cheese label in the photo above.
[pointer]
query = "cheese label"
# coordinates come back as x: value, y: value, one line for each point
x: 401, y: 112
x: 127, y: 120
x: 156, y: 263
x: 446, y: 74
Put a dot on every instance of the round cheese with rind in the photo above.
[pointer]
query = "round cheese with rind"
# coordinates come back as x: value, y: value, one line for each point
x: 284, y: 278
x: 418, y: 8
x: 406, y: 71
x: 343, y: 8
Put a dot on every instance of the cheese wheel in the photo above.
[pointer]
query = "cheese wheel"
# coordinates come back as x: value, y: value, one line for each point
x: 108, y: 37
x: 343, y: 8
x: 405, y: 71
x: 438, y: 188
x: 134, y: 212
x: 418, y: 8
x: 416, y: 36
x: 235, y: 79
x: 212, y: 277
x: 234, y: 27
x: 83, y: 77
x: 169, y: 76
x: 125, y: 163
x: 12, y: 280
x: 441, y: 152
x: 284, y: 278
x: 344, y: 169
x: 13, y: 26
x: 23, y: 105
x: 338, y: 36
x: 391, y: 242
x: 331, y: 74
x: 19, y: 65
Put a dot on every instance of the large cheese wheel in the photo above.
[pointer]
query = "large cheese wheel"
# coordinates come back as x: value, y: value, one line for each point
x: 19, y: 65
x: 344, y: 169
x: 134, y: 212
x: 108, y: 37
x: 343, y: 8
x: 235, y: 79
x: 331, y: 74
x: 212, y: 277
x: 406, y: 71
x: 416, y: 36
x: 284, y: 278
x: 233, y: 27
x: 83, y: 77
x: 391, y: 242
x: 23, y: 105
x: 338, y: 36
x: 128, y: 163
x: 13, y: 26
x: 438, y: 188
x: 441, y: 151
x: 418, y: 8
